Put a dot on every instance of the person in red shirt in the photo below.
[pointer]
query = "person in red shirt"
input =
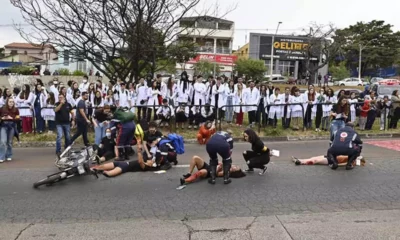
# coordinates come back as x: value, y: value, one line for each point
x: 364, y: 114
x: 8, y: 115
x: 205, y: 132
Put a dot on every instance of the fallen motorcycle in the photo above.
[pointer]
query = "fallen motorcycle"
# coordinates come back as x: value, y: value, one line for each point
x: 71, y: 163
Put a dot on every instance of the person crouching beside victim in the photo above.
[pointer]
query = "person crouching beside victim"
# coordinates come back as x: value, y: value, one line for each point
x: 259, y: 155
x: 205, y: 132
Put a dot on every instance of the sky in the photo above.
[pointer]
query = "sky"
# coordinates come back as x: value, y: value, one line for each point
x: 262, y: 16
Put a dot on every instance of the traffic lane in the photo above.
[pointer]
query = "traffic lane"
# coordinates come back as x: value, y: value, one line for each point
x: 285, y: 189
x: 45, y: 157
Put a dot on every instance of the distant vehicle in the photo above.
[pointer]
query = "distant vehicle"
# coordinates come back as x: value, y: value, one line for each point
x: 277, y: 79
x: 351, y: 82
x: 375, y: 80
x: 389, y: 82
x: 385, y: 90
x: 348, y: 92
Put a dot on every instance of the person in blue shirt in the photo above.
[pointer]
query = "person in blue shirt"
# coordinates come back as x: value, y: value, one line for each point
x: 221, y: 143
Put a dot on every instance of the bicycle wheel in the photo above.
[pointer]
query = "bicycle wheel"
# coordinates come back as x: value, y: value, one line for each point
x: 48, y: 180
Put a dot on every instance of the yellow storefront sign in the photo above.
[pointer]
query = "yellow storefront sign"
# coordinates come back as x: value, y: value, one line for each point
x: 290, y: 46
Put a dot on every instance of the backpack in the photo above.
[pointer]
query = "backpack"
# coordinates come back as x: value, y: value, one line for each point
x: 124, y: 115
x: 177, y: 142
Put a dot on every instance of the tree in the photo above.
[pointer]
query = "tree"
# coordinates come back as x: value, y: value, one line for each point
x: 380, y: 45
x: 1, y: 52
x: 319, y: 47
x: 63, y: 72
x: 134, y: 32
x: 205, y: 67
x: 340, y: 71
x: 251, y: 68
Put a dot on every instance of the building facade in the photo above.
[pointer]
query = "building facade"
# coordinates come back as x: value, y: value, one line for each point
x: 242, y: 52
x: 214, y: 37
x: 289, y: 56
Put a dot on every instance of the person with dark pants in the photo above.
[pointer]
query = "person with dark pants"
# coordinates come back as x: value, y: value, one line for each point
x: 107, y: 148
x: 165, y: 153
x: 124, y: 138
x: 345, y: 142
x: 82, y: 121
x: 259, y: 156
x: 63, y: 123
x: 221, y: 143
x: 286, y: 109
x: 37, y: 105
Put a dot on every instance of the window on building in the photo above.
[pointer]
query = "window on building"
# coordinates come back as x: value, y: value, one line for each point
x: 187, y: 24
x: 66, y: 57
x: 14, y: 52
x: 82, y: 66
x: 25, y: 53
x: 224, y: 26
x: 206, y: 24
x: 286, y: 68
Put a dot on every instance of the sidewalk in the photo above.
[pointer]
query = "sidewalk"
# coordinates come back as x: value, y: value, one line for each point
x: 383, y: 224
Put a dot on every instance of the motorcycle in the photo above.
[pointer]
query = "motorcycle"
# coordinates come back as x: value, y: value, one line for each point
x: 71, y: 163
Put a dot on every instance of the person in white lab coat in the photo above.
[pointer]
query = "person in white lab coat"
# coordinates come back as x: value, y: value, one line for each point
x: 275, y: 112
x: 152, y: 103
x: 251, y: 96
x: 162, y: 87
x: 184, y: 89
x: 229, y: 101
x: 199, y: 92
x: 310, y: 99
x: 123, y: 97
x: 262, y: 109
x: 209, y: 86
x: 83, y: 87
x: 218, y: 98
x: 141, y: 99
x: 164, y: 113
x: 326, y: 108
x: 296, y: 111
x: 240, y: 81
x: 239, y: 100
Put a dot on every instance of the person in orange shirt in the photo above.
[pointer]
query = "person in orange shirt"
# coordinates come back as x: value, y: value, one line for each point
x: 205, y: 132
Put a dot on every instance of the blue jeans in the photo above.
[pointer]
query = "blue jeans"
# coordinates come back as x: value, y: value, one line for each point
x: 99, y: 132
x: 6, y: 140
x: 63, y: 129
x: 40, y: 123
x: 336, y: 125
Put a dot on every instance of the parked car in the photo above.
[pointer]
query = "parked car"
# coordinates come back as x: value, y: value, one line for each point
x: 348, y: 91
x: 375, y: 80
x: 277, y: 79
x: 351, y: 82
x: 389, y: 82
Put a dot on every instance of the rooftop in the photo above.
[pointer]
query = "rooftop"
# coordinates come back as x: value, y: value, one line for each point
x: 207, y: 18
x: 27, y: 45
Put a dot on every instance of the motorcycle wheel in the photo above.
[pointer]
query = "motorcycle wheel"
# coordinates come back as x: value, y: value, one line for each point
x: 48, y: 180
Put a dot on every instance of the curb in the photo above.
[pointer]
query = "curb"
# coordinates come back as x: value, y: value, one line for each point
x: 266, y: 139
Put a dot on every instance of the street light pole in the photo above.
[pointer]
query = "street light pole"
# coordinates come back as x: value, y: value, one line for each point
x: 359, y: 61
x: 271, y: 64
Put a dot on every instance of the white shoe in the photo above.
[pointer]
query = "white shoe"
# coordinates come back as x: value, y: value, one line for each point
x: 9, y: 159
x: 1, y: 161
x: 381, y: 129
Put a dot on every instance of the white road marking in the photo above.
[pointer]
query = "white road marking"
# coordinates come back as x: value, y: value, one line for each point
x: 182, y: 166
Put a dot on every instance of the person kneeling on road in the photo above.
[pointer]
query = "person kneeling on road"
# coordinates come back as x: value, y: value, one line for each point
x: 259, y: 156
x: 107, y: 148
x: 125, y: 135
x: 345, y: 142
x: 116, y: 168
x: 323, y: 160
x: 221, y: 143
x: 203, y: 171
x: 165, y: 153
x: 205, y: 132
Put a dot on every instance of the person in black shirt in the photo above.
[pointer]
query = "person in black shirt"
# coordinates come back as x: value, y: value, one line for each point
x: 116, y: 168
x: 259, y: 155
x: 101, y: 121
x: 151, y: 134
x: 82, y: 120
x: 63, y: 118
x: 108, y: 147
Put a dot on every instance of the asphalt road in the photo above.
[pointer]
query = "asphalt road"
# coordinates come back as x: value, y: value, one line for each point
x: 285, y: 189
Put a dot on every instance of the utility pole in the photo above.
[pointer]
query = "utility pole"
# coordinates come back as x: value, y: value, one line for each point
x: 271, y: 64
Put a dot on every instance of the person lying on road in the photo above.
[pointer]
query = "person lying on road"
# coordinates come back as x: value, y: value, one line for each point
x: 323, y: 160
x: 203, y: 171
x: 116, y: 168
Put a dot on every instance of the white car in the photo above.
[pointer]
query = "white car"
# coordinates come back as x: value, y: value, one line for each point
x: 351, y: 82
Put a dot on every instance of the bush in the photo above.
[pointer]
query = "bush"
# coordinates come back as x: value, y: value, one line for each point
x: 78, y: 73
x: 22, y: 70
x: 339, y: 72
x: 63, y: 72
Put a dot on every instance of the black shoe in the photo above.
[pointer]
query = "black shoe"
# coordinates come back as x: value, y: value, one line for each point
x: 175, y: 162
x: 334, y: 165
x: 213, y: 173
x: 226, y: 169
x: 187, y: 175
x: 250, y: 170
x: 263, y: 171
x: 349, y: 167
x: 182, y: 181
